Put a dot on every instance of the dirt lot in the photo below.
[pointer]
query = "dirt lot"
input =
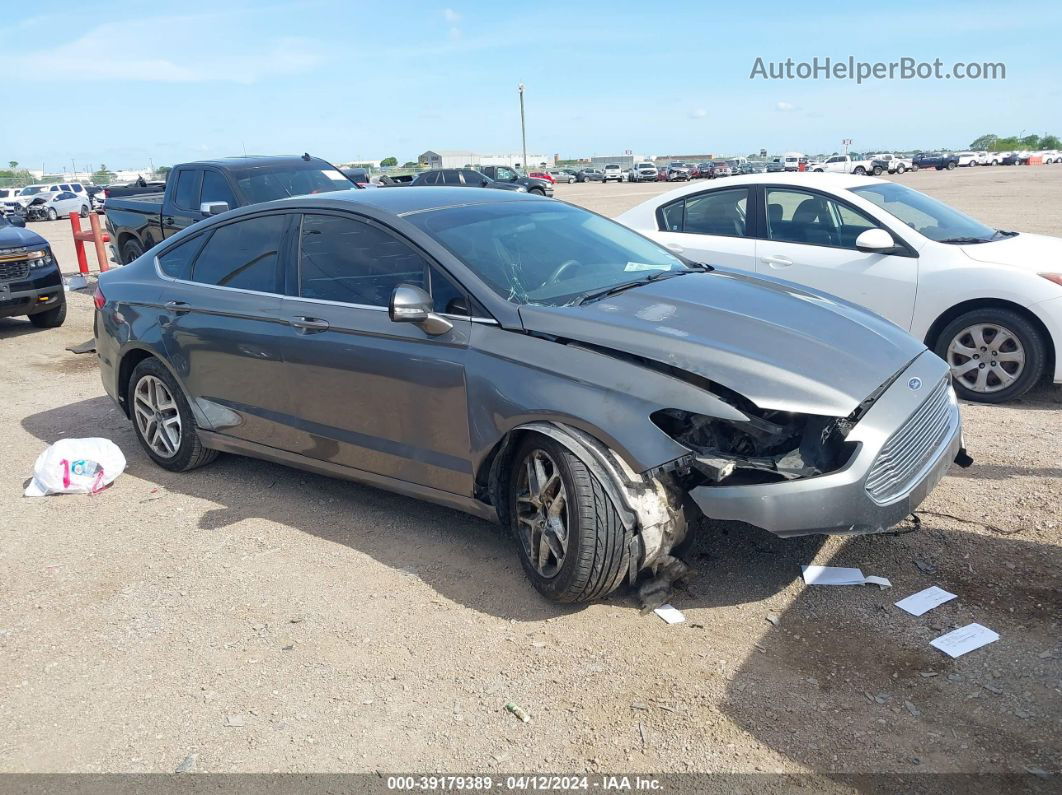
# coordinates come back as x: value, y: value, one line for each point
x: 265, y: 619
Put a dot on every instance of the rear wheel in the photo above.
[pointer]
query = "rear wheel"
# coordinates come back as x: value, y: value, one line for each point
x: 571, y: 541
x: 900, y: 169
x: 860, y: 170
x: 877, y: 171
x: 130, y: 251
x: 951, y: 165
x: 995, y: 355
x: 84, y: 211
x: 162, y: 420
x: 53, y: 318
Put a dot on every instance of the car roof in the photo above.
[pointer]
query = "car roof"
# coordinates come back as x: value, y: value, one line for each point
x: 409, y: 199
x: 250, y: 161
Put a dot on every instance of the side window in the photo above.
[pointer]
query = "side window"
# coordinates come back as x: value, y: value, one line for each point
x: 719, y: 212
x: 473, y: 178
x: 504, y: 174
x: 215, y: 189
x: 65, y: 188
x: 77, y: 187
x: 797, y: 216
x: 672, y: 214
x: 187, y: 189
x: 447, y: 297
x: 243, y: 254
x: 451, y: 177
x: 431, y: 178
x: 346, y: 260
x: 177, y: 261
x: 64, y: 196
x: 54, y: 188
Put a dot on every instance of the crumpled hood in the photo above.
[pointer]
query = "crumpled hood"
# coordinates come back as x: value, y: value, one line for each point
x: 17, y: 236
x: 1033, y: 253
x: 780, y: 345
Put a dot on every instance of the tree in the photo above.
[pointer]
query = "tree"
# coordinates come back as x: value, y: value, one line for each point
x: 988, y: 141
x: 409, y: 164
x: 12, y: 164
x: 164, y: 171
x: 389, y: 161
x: 1050, y: 142
x: 102, y: 176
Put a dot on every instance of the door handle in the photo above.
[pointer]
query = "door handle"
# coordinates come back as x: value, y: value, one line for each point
x: 776, y: 261
x: 167, y: 220
x: 309, y: 325
x: 180, y: 307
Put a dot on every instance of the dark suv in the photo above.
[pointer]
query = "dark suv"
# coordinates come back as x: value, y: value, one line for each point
x: 461, y: 177
x: 30, y: 281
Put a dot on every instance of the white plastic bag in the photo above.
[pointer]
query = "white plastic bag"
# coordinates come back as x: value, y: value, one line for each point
x: 76, y: 466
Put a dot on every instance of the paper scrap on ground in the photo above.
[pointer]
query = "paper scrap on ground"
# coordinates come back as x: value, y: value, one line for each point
x: 832, y: 575
x: 968, y: 638
x: 670, y: 614
x: 881, y: 582
x: 924, y: 601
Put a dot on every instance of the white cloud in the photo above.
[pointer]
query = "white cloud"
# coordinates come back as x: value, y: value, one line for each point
x: 133, y: 54
x: 698, y: 113
x: 785, y: 107
x: 451, y: 16
x: 455, y: 33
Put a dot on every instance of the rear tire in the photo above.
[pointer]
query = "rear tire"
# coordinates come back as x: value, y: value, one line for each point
x: 595, y: 552
x: 188, y: 451
x: 951, y: 165
x: 900, y: 169
x: 860, y: 170
x: 975, y: 379
x: 130, y: 251
x: 84, y: 211
x: 877, y: 171
x: 53, y: 318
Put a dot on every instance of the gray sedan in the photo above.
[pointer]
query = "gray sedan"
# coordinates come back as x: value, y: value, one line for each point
x: 529, y: 362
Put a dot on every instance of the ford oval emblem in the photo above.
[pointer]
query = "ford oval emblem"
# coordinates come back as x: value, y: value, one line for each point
x: 915, y: 383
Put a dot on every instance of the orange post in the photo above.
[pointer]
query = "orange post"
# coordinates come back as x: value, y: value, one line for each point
x: 96, y: 236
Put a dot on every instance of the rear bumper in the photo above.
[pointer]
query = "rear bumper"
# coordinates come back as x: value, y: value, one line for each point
x: 840, y: 503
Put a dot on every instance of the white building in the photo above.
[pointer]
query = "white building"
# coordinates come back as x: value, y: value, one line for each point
x: 459, y: 158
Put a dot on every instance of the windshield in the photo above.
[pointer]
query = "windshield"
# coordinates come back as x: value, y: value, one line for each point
x: 531, y: 254
x: 31, y: 190
x: 930, y: 217
x: 266, y: 183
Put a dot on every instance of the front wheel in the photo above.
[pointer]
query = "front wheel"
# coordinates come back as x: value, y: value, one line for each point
x: 995, y: 355
x: 162, y: 420
x: 877, y: 171
x: 53, y: 318
x: 52, y: 214
x: 84, y: 211
x: 900, y: 169
x: 571, y: 542
x: 537, y: 191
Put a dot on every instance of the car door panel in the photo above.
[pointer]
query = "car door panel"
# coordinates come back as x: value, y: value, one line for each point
x: 180, y: 208
x: 373, y: 394
x: 687, y: 228
x: 805, y: 246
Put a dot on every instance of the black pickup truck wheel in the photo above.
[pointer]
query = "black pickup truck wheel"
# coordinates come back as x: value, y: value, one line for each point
x: 130, y: 251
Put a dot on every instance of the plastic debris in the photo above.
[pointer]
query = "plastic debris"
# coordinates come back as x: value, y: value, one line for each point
x: 840, y: 575
x: 670, y: 614
x: 76, y: 466
x: 518, y: 711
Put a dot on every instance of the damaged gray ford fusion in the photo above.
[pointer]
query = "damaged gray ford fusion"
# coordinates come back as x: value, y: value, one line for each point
x: 530, y: 362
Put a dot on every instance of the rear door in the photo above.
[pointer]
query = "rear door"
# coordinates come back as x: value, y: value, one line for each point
x: 375, y: 395
x: 810, y: 239
x: 180, y: 207
x: 223, y: 329
x: 715, y: 227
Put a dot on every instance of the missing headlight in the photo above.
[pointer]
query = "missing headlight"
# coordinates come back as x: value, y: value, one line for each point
x: 771, y: 446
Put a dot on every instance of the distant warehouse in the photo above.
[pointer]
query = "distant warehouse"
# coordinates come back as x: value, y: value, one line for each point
x: 460, y: 158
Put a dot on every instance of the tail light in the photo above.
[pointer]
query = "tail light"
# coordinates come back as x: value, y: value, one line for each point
x: 98, y: 298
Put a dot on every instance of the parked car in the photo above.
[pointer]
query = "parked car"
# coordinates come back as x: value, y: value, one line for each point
x: 590, y: 175
x: 644, y: 172
x: 1051, y: 156
x: 198, y: 190
x: 134, y: 188
x: 461, y: 178
x: 973, y: 159
x: 988, y: 301
x: 996, y: 158
x: 565, y: 175
x: 614, y: 172
x: 30, y: 282
x: 541, y: 187
x: 661, y: 174
x: 358, y: 175
x: 891, y: 163
x: 704, y: 170
x: 61, y: 204
x: 937, y: 160
x: 774, y: 166
x: 96, y: 197
x: 25, y: 196
x: 719, y: 168
x: 543, y: 175
x: 695, y: 171
x: 504, y: 358
x: 7, y: 194
x: 847, y: 164
x: 791, y: 161
x: 1015, y: 159
x: 678, y: 172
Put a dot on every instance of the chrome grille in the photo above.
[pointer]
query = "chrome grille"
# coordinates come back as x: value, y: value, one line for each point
x: 12, y: 271
x: 902, y: 458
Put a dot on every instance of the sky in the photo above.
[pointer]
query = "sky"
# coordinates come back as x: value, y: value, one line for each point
x: 130, y: 83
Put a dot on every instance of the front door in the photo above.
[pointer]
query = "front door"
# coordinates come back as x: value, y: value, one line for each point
x: 371, y: 394
x: 810, y: 240
x: 181, y: 207
x: 713, y: 227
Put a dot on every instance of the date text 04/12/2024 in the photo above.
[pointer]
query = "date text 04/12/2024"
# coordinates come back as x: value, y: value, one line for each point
x: 523, y: 783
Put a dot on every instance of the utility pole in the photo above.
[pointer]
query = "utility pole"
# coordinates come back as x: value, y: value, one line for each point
x: 523, y: 129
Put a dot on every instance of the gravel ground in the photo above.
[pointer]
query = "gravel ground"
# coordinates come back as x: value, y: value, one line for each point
x: 265, y: 619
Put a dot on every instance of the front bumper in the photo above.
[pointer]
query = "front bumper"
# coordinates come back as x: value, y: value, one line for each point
x: 43, y: 294
x: 840, y: 503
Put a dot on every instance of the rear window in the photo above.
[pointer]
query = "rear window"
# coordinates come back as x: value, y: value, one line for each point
x: 266, y: 183
x: 177, y: 261
x: 243, y: 255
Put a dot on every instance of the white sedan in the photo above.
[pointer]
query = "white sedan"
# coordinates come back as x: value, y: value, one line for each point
x: 988, y: 301
x: 60, y: 204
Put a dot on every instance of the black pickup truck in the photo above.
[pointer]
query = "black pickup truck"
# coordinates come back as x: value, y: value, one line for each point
x: 937, y: 160
x: 195, y: 191
x: 505, y: 174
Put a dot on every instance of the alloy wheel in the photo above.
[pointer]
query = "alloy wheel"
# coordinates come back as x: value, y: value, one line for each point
x: 157, y: 416
x: 986, y: 357
x: 542, y: 513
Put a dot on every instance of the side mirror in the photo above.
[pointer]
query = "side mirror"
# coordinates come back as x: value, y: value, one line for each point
x: 411, y: 304
x: 875, y: 241
x: 485, y: 183
x: 17, y: 220
x: 213, y: 208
